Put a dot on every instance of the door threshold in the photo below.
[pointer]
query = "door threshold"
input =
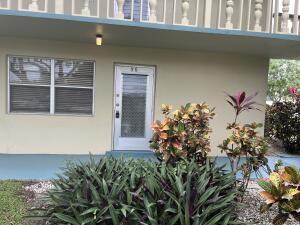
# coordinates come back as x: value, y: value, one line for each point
x: 145, y: 154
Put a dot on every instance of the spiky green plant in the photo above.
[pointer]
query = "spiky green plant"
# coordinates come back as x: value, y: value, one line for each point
x: 116, y: 191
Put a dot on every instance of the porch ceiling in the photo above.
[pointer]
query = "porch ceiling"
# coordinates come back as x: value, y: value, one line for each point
x: 123, y: 33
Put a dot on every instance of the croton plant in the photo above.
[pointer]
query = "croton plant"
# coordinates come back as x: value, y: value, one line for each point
x: 245, y: 140
x: 282, y: 188
x: 184, y: 133
x: 245, y: 148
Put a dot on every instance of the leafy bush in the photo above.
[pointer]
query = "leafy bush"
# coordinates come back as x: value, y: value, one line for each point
x: 282, y: 74
x: 283, y: 124
x: 283, y: 188
x: 116, y: 191
x: 244, y: 141
x: 183, y: 134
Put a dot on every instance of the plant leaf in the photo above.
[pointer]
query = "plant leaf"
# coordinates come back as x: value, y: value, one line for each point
x: 280, y: 219
x: 66, y: 218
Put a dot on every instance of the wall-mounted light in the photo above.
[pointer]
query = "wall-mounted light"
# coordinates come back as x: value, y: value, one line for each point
x: 99, y: 39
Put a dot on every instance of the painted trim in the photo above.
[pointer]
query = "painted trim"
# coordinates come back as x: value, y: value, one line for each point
x: 46, y: 166
x: 159, y: 26
x: 131, y: 153
x: 7, y: 85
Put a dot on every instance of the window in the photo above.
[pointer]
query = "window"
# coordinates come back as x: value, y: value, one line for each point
x: 136, y: 10
x: 54, y: 86
x: 74, y: 86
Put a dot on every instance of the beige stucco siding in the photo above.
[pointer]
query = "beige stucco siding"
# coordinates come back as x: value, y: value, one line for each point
x: 181, y: 77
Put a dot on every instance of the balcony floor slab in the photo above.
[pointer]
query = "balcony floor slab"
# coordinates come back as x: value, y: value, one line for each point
x: 149, y: 35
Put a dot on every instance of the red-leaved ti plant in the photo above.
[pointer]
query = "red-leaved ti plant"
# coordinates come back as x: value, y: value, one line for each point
x: 240, y: 102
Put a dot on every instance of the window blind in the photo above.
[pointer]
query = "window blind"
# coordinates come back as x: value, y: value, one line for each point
x: 74, y: 73
x: 29, y: 99
x: 29, y: 80
x: 74, y: 86
x: 73, y: 100
x: 51, y: 85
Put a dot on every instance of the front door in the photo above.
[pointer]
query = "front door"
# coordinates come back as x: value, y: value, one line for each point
x: 133, y: 106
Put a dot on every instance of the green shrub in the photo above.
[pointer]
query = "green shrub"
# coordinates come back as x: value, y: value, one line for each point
x: 283, y: 124
x: 116, y: 191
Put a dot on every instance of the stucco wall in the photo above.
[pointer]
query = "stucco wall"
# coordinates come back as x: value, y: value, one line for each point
x: 181, y: 77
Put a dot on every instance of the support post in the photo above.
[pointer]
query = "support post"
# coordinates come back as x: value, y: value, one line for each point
x: 185, y: 7
x: 120, y: 14
x: 153, y: 6
x: 285, y: 16
x: 229, y: 13
x: 33, y: 6
x: 86, y: 9
x: 258, y: 14
x: 207, y: 13
x: 59, y: 6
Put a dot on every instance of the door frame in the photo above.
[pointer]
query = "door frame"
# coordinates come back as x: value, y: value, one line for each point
x: 134, y: 65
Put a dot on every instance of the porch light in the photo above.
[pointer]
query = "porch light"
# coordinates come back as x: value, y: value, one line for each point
x: 99, y: 39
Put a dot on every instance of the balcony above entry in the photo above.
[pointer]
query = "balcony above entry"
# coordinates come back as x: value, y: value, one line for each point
x: 271, y: 16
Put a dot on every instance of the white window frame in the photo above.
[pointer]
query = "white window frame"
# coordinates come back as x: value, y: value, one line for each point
x: 52, y: 87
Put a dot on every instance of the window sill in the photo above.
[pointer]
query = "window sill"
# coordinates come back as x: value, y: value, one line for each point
x: 48, y: 114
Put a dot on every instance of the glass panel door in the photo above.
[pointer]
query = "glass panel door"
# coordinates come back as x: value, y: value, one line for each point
x: 134, y: 96
x: 133, y: 107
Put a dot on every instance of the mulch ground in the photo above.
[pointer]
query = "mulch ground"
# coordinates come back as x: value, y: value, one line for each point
x: 32, y: 199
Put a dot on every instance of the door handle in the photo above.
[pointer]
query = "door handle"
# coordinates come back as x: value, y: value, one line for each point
x: 117, y: 114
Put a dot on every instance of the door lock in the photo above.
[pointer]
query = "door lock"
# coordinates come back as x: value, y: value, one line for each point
x: 117, y: 114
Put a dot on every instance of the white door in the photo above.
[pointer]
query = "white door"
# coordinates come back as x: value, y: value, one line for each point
x: 133, y: 106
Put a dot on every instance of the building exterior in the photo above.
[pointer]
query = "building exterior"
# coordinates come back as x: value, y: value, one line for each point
x: 61, y: 94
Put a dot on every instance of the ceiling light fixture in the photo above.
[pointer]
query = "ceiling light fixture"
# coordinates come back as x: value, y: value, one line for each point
x: 99, y: 39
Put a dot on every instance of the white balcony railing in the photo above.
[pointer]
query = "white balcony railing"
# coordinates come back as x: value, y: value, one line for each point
x: 271, y: 16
